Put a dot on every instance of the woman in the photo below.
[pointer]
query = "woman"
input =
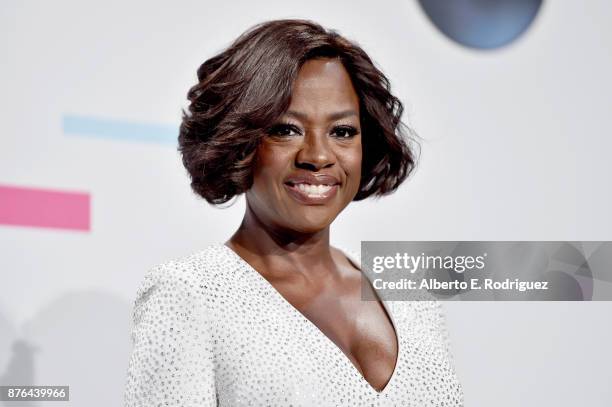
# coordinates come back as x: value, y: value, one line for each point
x: 299, y: 120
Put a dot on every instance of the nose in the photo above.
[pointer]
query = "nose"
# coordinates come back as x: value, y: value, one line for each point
x: 315, y: 153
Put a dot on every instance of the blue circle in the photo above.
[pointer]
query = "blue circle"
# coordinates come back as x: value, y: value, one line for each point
x: 482, y: 24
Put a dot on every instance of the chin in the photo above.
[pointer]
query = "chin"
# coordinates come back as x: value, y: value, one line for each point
x: 311, y: 224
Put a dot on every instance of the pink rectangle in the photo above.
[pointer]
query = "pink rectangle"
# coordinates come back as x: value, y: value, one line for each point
x: 44, y: 208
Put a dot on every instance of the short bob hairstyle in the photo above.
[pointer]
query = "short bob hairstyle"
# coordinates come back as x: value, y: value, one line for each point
x: 245, y: 89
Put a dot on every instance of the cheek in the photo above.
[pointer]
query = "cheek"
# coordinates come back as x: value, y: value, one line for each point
x: 265, y: 155
x: 270, y: 164
x: 353, y: 162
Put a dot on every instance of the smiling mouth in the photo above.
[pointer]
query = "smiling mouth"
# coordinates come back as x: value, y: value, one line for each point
x: 314, y: 190
x: 312, y: 194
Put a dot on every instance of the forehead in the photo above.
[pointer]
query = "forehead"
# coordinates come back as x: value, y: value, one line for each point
x: 323, y: 84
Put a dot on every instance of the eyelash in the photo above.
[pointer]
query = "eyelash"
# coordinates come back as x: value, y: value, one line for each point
x: 350, y: 131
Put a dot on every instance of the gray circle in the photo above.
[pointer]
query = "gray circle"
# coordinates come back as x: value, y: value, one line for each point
x: 482, y: 24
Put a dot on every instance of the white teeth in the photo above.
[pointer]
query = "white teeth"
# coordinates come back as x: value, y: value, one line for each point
x: 314, y: 190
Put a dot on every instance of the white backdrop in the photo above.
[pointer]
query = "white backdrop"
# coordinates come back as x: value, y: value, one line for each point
x: 516, y: 146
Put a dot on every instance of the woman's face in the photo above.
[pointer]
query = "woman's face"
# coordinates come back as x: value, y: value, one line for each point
x: 308, y: 168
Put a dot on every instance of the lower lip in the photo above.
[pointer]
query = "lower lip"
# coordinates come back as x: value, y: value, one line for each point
x: 304, y: 198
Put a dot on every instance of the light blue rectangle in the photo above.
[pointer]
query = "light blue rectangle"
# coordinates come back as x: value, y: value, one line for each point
x: 120, y: 129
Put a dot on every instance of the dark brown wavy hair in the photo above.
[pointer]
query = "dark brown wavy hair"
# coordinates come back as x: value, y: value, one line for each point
x: 244, y: 90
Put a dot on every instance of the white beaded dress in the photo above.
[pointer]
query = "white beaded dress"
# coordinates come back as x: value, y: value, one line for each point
x: 209, y: 330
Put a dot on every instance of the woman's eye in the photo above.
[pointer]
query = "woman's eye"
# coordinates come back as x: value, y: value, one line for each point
x: 284, y: 130
x: 289, y: 130
x: 345, y: 132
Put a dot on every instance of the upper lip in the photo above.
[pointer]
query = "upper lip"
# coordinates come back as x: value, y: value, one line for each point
x: 312, y: 179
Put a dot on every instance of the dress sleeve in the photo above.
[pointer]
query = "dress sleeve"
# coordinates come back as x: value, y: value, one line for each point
x: 172, y: 360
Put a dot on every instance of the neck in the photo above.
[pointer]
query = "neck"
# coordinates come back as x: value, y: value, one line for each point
x: 279, y: 250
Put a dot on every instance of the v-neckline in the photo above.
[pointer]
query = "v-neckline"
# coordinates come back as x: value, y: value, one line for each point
x: 339, y: 352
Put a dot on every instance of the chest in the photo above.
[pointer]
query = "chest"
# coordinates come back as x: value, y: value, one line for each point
x: 268, y: 353
x: 334, y: 316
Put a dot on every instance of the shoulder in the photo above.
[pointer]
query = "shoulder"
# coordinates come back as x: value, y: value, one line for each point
x: 196, y: 266
x: 191, y: 275
x: 172, y: 356
x: 347, y: 258
x: 424, y: 320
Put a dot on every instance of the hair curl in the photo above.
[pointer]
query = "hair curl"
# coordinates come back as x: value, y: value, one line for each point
x: 243, y: 90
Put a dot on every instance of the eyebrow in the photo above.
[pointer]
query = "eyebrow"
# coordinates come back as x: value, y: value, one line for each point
x: 334, y: 116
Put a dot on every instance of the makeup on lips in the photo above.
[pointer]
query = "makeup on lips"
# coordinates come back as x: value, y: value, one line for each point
x: 312, y: 189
